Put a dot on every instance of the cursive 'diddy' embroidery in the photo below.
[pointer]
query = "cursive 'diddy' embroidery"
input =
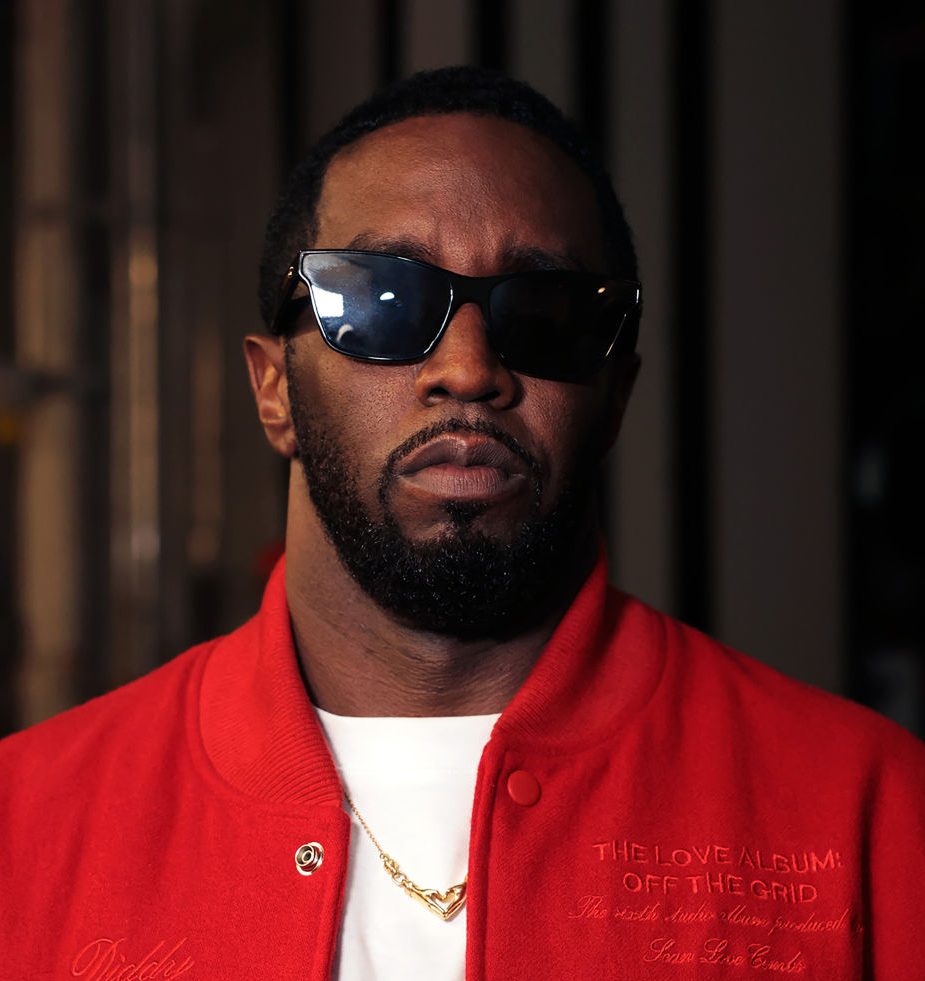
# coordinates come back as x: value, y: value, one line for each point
x: 105, y: 959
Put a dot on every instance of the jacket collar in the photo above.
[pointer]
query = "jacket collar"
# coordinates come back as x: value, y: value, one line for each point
x: 260, y: 731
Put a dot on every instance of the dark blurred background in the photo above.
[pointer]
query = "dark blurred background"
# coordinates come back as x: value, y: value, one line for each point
x: 767, y: 486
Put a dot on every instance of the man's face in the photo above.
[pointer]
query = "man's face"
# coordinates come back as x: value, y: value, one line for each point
x: 435, y: 478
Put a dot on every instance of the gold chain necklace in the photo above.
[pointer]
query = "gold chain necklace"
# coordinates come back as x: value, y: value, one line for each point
x: 445, y: 904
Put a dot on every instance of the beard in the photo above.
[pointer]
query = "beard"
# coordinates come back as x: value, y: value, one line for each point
x: 463, y: 582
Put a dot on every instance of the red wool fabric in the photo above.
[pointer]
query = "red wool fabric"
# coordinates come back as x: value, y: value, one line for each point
x: 679, y: 810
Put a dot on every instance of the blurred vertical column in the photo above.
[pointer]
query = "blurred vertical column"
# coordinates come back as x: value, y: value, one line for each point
x: 779, y: 334
x: 46, y: 356
x: 342, y: 41
x: 885, y: 311
x: 10, y: 427
x: 643, y: 532
x: 540, y: 54
x: 220, y: 113
x: 135, y: 461
x: 436, y: 34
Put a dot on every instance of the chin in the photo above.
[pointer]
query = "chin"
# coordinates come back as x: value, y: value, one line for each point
x: 468, y: 519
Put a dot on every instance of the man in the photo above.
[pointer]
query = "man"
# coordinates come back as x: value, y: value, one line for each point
x: 445, y: 747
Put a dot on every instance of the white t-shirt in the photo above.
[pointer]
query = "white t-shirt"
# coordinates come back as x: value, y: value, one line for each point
x: 413, y: 780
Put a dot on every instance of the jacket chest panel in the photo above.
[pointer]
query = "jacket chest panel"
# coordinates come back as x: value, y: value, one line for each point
x: 205, y: 892
x: 612, y: 873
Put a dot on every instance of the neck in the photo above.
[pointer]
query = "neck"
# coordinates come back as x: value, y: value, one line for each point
x: 359, y: 660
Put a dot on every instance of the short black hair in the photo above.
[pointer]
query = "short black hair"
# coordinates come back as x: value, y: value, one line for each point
x: 459, y: 88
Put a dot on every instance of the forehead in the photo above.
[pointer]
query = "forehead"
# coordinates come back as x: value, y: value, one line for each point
x: 466, y: 189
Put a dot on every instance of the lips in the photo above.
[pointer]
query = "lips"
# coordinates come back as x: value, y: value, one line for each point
x: 463, y: 467
x: 462, y: 451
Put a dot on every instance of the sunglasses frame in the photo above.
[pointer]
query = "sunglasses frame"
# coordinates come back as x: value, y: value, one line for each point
x: 461, y: 290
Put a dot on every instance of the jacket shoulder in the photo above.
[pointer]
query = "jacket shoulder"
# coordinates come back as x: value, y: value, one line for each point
x: 719, y: 684
x: 54, y: 757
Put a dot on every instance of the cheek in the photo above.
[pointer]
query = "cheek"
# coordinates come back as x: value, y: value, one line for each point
x: 358, y: 404
x: 566, y: 422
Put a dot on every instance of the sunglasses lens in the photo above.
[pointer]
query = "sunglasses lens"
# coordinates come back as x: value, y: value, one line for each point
x: 380, y: 308
x: 559, y: 326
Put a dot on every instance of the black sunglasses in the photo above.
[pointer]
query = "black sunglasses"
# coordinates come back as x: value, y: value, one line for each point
x: 374, y: 306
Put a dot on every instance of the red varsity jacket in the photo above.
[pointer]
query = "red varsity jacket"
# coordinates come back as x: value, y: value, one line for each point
x: 678, y: 811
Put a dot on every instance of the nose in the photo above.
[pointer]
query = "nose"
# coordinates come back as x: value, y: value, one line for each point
x: 464, y: 368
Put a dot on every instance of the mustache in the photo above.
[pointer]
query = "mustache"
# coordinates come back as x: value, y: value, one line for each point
x: 480, y: 427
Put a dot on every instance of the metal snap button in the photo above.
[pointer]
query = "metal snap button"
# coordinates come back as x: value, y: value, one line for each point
x: 308, y: 858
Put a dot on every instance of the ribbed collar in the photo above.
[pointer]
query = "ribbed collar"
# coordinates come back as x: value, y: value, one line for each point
x: 258, y: 725
x: 260, y: 731
x: 600, y: 666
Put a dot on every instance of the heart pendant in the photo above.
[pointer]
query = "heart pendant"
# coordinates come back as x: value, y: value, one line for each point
x: 445, y: 904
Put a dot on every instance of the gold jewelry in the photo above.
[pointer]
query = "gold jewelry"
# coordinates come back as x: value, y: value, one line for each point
x: 445, y: 904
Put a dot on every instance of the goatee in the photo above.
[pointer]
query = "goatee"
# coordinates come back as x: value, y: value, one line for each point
x: 463, y: 583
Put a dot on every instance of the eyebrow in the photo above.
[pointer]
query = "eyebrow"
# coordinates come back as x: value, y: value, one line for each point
x: 408, y: 248
x: 512, y: 258
x: 530, y: 257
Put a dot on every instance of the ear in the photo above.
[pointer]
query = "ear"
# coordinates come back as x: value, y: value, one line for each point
x: 625, y: 372
x: 266, y: 368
